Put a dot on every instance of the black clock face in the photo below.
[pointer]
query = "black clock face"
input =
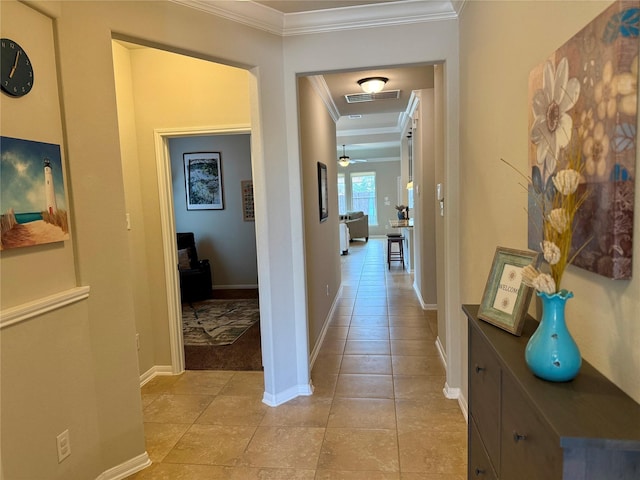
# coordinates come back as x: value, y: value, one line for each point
x: 16, y: 71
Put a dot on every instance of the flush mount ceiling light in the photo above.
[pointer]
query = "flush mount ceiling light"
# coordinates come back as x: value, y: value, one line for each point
x: 372, y: 84
x: 344, y: 160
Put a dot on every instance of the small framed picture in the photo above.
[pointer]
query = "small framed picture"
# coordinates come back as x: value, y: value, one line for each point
x: 203, y: 178
x: 248, y: 211
x: 323, y: 191
x: 506, y: 299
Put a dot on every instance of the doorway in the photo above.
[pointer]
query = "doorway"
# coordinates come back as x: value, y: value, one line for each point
x: 221, y: 325
x: 148, y: 177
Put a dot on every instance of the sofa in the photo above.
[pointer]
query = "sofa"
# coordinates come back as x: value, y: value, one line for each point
x: 358, y: 224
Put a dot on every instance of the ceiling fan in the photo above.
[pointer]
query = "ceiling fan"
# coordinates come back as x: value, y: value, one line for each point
x: 345, y: 160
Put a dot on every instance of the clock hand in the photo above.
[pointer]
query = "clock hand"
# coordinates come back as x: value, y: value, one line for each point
x: 15, y: 65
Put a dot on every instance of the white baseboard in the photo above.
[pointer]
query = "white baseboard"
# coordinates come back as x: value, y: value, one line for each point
x: 289, y: 394
x: 464, y: 406
x: 441, y: 353
x: 127, y: 468
x: 155, y: 371
x: 450, y: 392
x: 327, y: 322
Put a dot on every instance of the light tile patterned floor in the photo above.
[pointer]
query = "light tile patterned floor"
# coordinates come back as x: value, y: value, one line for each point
x: 377, y: 413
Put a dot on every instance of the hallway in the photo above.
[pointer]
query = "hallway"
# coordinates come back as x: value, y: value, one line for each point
x: 377, y: 412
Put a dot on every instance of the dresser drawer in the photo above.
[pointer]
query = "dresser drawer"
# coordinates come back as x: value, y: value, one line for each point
x: 480, y: 467
x: 530, y: 450
x: 484, y: 391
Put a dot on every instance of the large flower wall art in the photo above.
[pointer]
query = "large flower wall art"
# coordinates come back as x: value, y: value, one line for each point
x: 584, y: 100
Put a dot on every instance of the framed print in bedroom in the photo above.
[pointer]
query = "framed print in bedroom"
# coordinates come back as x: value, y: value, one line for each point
x: 248, y: 210
x: 506, y: 299
x: 203, y: 180
x: 323, y: 192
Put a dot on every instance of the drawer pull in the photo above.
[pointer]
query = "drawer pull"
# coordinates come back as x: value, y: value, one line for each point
x: 479, y: 471
x: 517, y: 437
x: 479, y: 369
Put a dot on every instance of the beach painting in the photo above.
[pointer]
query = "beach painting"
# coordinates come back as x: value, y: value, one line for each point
x: 32, y: 195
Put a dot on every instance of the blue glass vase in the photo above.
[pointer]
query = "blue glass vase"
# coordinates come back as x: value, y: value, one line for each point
x: 551, y: 352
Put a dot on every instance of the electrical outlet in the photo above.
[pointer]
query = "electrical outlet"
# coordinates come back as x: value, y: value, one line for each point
x: 327, y: 289
x: 64, y: 445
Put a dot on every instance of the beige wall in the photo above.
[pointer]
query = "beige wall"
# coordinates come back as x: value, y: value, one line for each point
x: 318, y: 144
x: 77, y: 368
x: 424, y: 199
x: 494, y: 66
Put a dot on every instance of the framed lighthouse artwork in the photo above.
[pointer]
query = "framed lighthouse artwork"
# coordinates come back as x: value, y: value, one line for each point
x: 32, y: 194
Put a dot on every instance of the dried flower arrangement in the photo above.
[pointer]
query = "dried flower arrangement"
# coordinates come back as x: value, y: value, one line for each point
x: 557, y: 220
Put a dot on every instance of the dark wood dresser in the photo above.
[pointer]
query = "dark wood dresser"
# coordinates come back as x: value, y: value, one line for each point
x: 525, y: 428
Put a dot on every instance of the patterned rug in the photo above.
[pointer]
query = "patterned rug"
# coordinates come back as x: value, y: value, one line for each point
x: 218, y: 322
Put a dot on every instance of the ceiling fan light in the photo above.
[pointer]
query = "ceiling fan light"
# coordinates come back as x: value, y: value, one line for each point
x: 372, y: 84
x: 344, y: 160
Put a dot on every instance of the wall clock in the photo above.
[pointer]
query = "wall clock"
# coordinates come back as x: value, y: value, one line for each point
x: 16, y: 71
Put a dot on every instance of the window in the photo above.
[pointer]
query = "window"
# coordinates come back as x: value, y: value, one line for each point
x: 342, y: 195
x: 363, y: 194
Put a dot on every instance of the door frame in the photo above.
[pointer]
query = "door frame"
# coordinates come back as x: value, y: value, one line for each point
x: 168, y: 227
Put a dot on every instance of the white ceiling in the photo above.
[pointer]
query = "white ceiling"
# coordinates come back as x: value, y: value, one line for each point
x: 377, y: 134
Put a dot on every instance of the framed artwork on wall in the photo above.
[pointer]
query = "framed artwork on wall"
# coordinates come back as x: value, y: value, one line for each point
x: 323, y: 192
x: 586, y: 93
x: 33, y: 200
x: 203, y: 180
x: 248, y: 213
x: 506, y: 299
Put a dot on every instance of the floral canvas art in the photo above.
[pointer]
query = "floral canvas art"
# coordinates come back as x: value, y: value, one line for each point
x: 584, y: 98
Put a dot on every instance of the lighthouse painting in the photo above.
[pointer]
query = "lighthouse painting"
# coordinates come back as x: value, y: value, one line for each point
x: 32, y: 195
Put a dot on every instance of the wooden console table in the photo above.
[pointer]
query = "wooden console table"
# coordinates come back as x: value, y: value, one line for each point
x: 525, y: 428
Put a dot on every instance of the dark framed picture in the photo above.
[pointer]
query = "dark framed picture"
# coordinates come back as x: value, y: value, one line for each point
x: 203, y: 179
x: 506, y: 299
x: 323, y: 191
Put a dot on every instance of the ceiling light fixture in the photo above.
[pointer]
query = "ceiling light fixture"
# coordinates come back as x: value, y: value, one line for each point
x: 344, y: 160
x: 372, y: 84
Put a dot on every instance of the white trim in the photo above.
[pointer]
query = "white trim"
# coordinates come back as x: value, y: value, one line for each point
x: 288, y: 394
x: 322, y: 89
x: 246, y: 13
x: 326, y: 20
x: 169, y: 242
x: 441, y: 352
x: 167, y: 220
x: 367, y: 16
x: 26, y: 311
x: 155, y: 371
x: 325, y: 327
x: 127, y: 468
x: 464, y: 406
x: 451, y: 392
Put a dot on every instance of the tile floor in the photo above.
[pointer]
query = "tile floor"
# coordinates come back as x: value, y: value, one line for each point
x: 377, y: 412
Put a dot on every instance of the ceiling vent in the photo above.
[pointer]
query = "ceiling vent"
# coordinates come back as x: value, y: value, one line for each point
x: 370, y: 97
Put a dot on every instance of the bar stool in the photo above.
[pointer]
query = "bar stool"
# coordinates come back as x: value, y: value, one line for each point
x: 395, y: 255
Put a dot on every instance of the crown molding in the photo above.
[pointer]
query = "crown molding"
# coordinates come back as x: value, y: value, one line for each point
x: 328, y: 20
x: 247, y: 13
x: 320, y: 86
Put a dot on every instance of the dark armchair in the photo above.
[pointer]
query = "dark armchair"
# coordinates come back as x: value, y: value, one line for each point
x: 195, y: 275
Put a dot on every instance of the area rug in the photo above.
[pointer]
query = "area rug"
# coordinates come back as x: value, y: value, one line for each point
x: 218, y: 322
